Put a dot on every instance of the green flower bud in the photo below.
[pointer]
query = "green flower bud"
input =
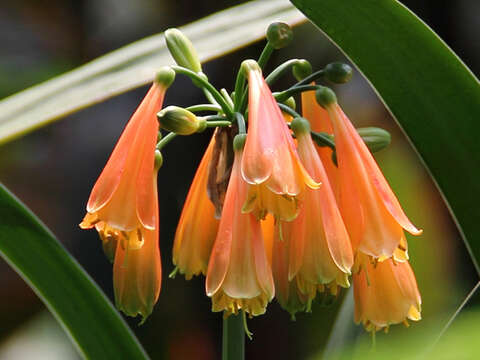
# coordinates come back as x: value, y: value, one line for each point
x: 165, y: 76
x: 290, y: 102
x: 375, y: 138
x: 239, y: 142
x: 302, y: 69
x: 338, y: 73
x: 325, y: 96
x: 180, y: 121
x: 279, y: 35
x: 182, y: 50
x: 300, y: 125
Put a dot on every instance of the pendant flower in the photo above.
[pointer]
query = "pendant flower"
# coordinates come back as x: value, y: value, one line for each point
x: 197, y: 227
x: 270, y: 162
x: 239, y: 275
x: 372, y: 213
x: 320, y: 249
x: 386, y: 294
x: 123, y: 207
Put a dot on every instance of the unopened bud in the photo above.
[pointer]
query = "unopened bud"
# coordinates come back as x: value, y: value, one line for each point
x: 182, y: 50
x: 325, y: 96
x: 338, y: 73
x: 290, y: 102
x: 301, y: 69
x: 165, y: 76
x: 300, y: 126
x: 279, y: 35
x: 180, y: 121
x: 375, y: 138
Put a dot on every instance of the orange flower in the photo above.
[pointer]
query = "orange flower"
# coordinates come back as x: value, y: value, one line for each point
x: 239, y: 276
x: 270, y: 163
x: 320, y: 250
x: 385, y: 294
x: 372, y: 213
x: 197, y: 227
x: 319, y: 122
x: 123, y: 207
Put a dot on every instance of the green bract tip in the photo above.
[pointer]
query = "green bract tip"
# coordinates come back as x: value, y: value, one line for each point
x: 165, y: 76
x: 325, y: 96
x: 239, y: 142
x: 300, y: 126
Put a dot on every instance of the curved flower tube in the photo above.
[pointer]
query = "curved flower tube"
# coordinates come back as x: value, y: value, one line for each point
x: 197, y: 227
x: 123, y: 207
x: 371, y: 211
x: 385, y: 294
x: 239, y: 275
x: 320, y: 249
x: 270, y: 163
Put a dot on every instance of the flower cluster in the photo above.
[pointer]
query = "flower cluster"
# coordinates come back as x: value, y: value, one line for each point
x: 282, y: 205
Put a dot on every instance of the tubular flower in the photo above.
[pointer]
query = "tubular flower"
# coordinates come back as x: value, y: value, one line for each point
x: 320, y: 250
x: 270, y: 164
x: 239, y: 276
x: 123, y: 207
x: 319, y: 122
x: 197, y: 227
x: 385, y: 294
x: 369, y: 207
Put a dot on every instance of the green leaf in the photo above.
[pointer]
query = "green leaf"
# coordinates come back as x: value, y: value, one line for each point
x: 432, y: 94
x: 134, y: 65
x: 66, y: 289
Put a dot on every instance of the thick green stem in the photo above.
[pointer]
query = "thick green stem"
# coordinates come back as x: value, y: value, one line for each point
x: 316, y: 75
x: 288, y: 110
x: 280, y: 71
x: 284, y: 95
x: 265, y: 55
x: 233, y: 343
x: 204, y: 107
x: 165, y: 140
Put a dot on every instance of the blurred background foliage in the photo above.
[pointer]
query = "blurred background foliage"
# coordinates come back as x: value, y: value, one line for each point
x: 52, y: 170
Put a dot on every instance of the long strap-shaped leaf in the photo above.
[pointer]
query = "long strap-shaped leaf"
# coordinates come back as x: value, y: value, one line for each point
x: 431, y: 93
x: 134, y: 65
x: 70, y: 294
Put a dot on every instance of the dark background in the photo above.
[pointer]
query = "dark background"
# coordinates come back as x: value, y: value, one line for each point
x: 52, y: 170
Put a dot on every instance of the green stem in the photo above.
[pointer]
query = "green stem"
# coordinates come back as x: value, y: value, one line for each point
x: 323, y: 139
x: 316, y: 75
x: 224, y: 123
x: 233, y: 343
x: 288, y: 110
x: 239, y: 85
x: 208, y: 87
x: 280, y: 71
x: 204, y: 107
x: 265, y: 55
x: 165, y: 140
x: 242, y: 129
x: 284, y: 95
x: 227, y: 97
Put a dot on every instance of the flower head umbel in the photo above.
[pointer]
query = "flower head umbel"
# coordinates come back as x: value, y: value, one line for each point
x: 270, y: 162
x: 197, y: 227
x: 239, y: 275
x: 386, y: 294
x: 372, y: 213
x: 123, y: 207
x: 320, y: 250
